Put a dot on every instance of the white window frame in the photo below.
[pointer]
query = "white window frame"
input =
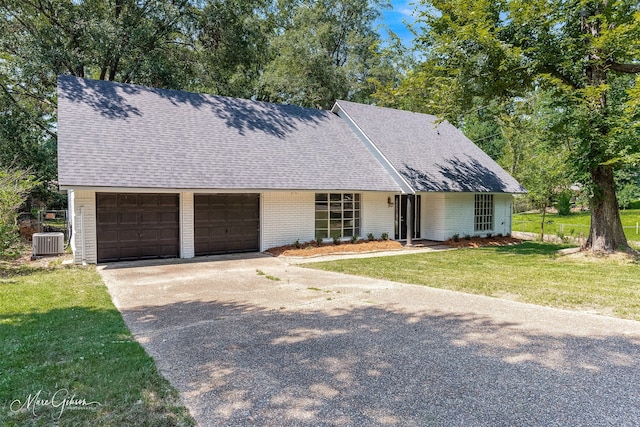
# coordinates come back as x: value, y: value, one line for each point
x: 483, y: 212
x: 337, y: 215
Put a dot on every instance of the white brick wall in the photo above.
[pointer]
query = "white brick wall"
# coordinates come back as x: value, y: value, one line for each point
x: 503, y: 212
x: 286, y: 217
x: 459, y: 214
x: 376, y: 216
x: 432, y: 220
x: 187, y: 246
x: 83, y: 213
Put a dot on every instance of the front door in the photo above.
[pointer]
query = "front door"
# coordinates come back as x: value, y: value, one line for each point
x: 401, y: 217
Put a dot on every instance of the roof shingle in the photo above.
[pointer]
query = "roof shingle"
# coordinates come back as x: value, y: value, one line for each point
x: 429, y: 156
x: 117, y: 135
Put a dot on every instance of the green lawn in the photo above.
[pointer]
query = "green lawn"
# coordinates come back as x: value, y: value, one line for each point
x: 530, y: 272
x: 61, y: 337
x: 575, y: 225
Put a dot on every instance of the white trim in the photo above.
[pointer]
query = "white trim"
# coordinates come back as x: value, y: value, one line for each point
x: 373, y: 149
x: 218, y: 190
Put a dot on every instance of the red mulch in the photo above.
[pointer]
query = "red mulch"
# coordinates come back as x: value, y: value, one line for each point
x: 477, y: 242
x: 312, y: 248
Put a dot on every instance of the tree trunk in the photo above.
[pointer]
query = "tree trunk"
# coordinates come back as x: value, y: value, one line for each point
x: 606, y: 233
x: 544, y: 212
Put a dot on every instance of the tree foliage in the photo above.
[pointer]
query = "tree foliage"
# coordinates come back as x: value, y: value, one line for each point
x: 308, y: 53
x: 585, y: 54
x: 15, y: 185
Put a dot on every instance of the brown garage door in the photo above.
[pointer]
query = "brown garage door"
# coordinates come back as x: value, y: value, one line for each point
x: 226, y: 223
x: 137, y: 226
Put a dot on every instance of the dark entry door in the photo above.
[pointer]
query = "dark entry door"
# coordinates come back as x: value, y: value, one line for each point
x: 132, y: 226
x: 401, y: 217
x: 226, y: 223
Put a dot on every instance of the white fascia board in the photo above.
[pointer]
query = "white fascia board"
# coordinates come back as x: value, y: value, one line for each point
x: 220, y: 190
x: 373, y: 149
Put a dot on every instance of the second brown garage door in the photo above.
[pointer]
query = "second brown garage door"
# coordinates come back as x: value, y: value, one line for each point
x: 226, y: 223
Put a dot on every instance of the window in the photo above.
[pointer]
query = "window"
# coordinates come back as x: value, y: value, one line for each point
x: 337, y: 215
x: 483, y: 217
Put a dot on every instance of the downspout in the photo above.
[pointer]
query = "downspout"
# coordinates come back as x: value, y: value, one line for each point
x: 84, y: 257
x: 409, y: 220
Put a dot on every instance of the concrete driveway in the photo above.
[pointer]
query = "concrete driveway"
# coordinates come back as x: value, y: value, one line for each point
x: 325, y: 349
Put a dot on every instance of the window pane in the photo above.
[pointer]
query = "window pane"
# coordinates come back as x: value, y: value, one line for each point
x: 337, y: 215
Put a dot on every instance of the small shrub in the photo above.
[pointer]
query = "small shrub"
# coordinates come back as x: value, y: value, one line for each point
x: 354, y: 239
x: 297, y: 244
x: 564, y: 203
x: 336, y: 240
x: 456, y: 237
x: 499, y: 235
x: 371, y: 237
x: 319, y: 241
x: 467, y: 237
x: 384, y: 236
x: 489, y: 235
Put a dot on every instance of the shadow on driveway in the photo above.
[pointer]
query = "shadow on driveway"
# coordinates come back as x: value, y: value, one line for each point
x: 347, y: 355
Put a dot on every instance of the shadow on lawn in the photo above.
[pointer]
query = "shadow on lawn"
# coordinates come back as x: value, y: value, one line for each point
x: 530, y: 248
x: 241, y: 364
x: 87, y: 358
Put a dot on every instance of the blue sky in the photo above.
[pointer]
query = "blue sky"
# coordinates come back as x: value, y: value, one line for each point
x: 394, y: 18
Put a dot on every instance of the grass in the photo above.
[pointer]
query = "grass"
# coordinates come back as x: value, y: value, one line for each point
x: 59, y: 332
x: 575, y: 224
x: 531, y: 272
x: 267, y: 276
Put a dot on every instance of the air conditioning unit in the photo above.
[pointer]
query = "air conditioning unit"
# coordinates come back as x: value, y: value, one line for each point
x: 48, y: 244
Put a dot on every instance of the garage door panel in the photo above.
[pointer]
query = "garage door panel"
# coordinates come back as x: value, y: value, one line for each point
x: 108, y: 218
x: 127, y: 236
x: 107, y: 200
x: 127, y: 201
x: 226, y: 223
x: 128, y: 218
x: 137, y: 226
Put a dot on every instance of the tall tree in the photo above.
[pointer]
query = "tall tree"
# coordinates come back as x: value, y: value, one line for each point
x: 144, y: 42
x: 322, y: 50
x: 583, y: 52
x: 234, y: 39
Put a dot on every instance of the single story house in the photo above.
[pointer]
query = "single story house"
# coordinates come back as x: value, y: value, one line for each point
x: 154, y: 173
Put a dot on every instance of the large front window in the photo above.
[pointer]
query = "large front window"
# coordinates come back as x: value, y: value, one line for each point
x: 483, y: 218
x: 337, y: 215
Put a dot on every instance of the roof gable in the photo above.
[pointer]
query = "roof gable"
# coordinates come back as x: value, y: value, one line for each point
x: 118, y: 135
x: 427, y: 155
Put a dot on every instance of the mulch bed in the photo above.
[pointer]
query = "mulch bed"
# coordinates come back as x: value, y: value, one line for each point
x: 312, y: 248
x: 477, y: 242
